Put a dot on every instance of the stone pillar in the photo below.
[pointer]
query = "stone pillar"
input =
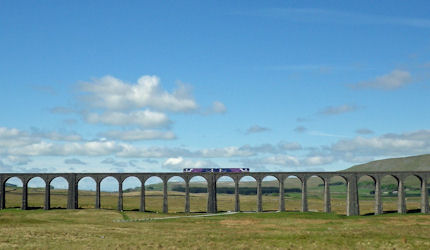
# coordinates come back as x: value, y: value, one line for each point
x: 24, y: 205
x: 424, y: 196
x: 142, y: 196
x: 259, y: 196
x: 281, y: 195
x: 212, y: 205
x: 236, y: 195
x: 120, y: 196
x: 327, y: 201
x: 98, y: 202
x: 72, y: 194
x: 2, y: 194
x: 401, y: 202
x: 378, y: 197
x: 187, y: 196
x: 352, y: 197
x: 47, y: 205
x: 304, y: 195
x: 165, y: 206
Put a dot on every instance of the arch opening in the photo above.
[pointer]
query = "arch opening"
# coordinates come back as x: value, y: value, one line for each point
x: 225, y: 194
x: 366, y: 194
x: 413, y: 194
x: 270, y: 193
x: 338, y: 194
x: 154, y: 194
x: 131, y: 187
x: 198, y: 194
x: 36, y: 193
x: 248, y: 193
x: 86, y: 192
x: 293, y: 193
x: 176, y: 194
x: 315, y: 189
x: 13, y: 192
x: 389, y: 193
x: 59, y: 189
x: 109, y: 187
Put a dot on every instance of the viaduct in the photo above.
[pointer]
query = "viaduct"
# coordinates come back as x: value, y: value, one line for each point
x: 351, y: 178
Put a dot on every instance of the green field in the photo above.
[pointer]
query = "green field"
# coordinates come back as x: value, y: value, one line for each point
x: 90, y: 228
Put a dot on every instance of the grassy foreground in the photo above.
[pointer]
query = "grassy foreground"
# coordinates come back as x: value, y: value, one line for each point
x: 89, y: 228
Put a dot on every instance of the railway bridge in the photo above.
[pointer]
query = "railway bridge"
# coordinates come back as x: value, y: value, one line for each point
x: 351, y: 179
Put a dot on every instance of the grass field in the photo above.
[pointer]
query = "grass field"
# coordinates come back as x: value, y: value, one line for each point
x: 91, y: 228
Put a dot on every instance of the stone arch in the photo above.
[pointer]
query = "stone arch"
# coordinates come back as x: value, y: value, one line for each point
x: 225, y: 188
x: 198, y: 193
x: 315, y: 193
x: 248, y: 196
x: 36, y: 192
x: 338, y: 193
x: 293, y: 192
x: 366, y: 193
x: 154, y: 193
x: 389, y: 193
x: 13, y: 186
x: 270, y: 193
x: 412, y: 187
x: 176, y: 193
x: 109, y: 192
x: 86, y: 191
x: 59, y: 189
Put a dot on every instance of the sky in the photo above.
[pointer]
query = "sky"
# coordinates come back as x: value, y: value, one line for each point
x: 157, y: 86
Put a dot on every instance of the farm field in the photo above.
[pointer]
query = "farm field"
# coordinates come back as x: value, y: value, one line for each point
x: 91, y: 228
x: 87, y: 227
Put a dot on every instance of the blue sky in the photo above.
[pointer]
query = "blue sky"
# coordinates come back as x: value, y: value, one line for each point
x: 141, y: 86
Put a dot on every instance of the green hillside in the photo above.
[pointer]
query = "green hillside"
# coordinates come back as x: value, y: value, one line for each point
x: 412, y: 163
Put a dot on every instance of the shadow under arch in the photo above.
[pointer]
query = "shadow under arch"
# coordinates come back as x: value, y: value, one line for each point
x: 315, y: 193
x: 176, y: 194
x: 13, y: 192
x: 198, y: 194
x: 270, y: 193
x: 225, y: 189
x: 154, y: 194
x: 248, y: 193
x: 338, y: 194
x: 36, y: 193
x: 86, y: 192
x: 109, y: 192
x: 131, y: 187
x: 59, y: 189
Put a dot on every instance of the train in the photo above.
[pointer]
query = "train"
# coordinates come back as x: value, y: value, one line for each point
x: 215, y: 170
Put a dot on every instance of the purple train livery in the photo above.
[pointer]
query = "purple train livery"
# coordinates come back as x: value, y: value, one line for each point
x: 215, y: 170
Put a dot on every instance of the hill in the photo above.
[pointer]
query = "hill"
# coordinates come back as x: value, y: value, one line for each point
x: 414, y: 163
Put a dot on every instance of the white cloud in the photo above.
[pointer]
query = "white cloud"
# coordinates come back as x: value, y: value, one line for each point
x: 256, y: 129
x: 390, y: 81
x: 138, y: 134
x: 337, y: 110
x: 218, y: 107
x: 113, y: 94
x: 74, y: 161
x: 142, y: 118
